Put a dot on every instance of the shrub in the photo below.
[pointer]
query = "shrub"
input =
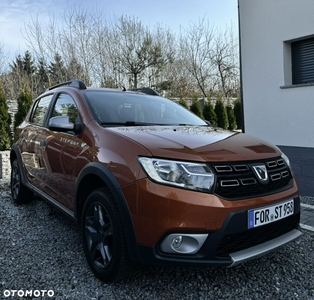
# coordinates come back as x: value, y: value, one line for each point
x: 183, y: 103
x: 5, y: 121
x: 24, y: 102
x: 238, y: 112
x: 196, y: 108
x: 222, y: 117
x: 209, y: 113
x: 231, y: 117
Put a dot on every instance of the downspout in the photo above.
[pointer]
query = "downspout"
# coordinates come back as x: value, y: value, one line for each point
x: 240, y: 56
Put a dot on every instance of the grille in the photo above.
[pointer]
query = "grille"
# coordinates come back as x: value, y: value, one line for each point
x: 252, y: 237
x: 239, y: 180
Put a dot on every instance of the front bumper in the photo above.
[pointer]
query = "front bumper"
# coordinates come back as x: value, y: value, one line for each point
x: 232, y: 244
x: 262, y: 249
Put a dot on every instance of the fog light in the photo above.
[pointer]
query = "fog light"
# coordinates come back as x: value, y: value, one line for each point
x: 183, y: 243
x: 176, y: 243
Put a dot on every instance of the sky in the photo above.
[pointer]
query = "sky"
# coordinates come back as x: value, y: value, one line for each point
x: 173, y: 14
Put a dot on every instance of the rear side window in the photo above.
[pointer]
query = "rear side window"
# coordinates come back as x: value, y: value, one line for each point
x: 40, y: 110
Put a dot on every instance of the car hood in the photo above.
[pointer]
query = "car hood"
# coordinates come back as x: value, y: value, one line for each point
x: 198, y: 143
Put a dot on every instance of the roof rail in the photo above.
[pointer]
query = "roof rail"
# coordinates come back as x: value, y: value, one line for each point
x: 145, y: 90
x: 79, y: 84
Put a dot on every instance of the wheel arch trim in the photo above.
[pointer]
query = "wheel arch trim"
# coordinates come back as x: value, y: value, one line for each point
x: 105, y: 175
x: 15, y: 150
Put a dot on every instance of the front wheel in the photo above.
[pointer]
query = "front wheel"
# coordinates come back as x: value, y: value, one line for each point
x: 19, y: 192
x: 103, y: 237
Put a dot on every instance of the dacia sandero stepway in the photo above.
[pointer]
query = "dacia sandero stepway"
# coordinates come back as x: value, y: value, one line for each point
x: 148, y: 181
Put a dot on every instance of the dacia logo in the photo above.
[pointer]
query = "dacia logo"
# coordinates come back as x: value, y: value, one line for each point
x: 261, y: 173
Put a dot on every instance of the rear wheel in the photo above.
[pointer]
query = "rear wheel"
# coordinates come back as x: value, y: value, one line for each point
x: 103, y: 237
x: 20, y: 193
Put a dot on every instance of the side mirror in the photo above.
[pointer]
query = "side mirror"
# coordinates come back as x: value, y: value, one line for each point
x: 61, y: 123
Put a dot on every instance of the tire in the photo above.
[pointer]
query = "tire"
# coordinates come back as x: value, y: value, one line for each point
x: 19, y: 192
x: 103, y: 238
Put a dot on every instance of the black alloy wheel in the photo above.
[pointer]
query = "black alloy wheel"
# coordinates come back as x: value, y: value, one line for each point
x: 103, y: 237
x: 99, y: 235
x: 19, y: 192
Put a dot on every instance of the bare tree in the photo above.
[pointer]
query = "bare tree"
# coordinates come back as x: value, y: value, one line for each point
x: 43, y: 40
x: 107, y: 66
x: 137, y: 49
x: 76, y: 38
x: 126, y: 53
x: 167, y: 45
x: 3, y: 58
x: 71, y: 40
x: 225, y: 59
x: 196, y: 45
x: 177, y: 80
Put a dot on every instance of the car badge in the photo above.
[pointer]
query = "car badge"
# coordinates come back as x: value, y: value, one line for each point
x: 261, y: 173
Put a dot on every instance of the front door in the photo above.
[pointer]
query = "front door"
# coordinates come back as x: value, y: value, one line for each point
x: 59, y: 151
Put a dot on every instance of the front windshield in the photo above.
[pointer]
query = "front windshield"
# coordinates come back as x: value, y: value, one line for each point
x: 116, y: 108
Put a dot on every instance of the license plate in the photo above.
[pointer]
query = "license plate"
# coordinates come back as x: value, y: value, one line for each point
x: 269, y: 214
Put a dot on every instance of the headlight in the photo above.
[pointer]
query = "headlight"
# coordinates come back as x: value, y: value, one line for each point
x: 194, y: 176
x: 286, y: 159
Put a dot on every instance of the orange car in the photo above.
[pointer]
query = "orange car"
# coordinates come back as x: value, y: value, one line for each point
x: 150, y: 182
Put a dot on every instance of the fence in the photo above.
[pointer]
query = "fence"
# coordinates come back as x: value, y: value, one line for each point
x: 5, y: 167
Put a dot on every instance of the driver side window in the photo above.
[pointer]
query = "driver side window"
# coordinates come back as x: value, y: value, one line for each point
x: 65, y: 106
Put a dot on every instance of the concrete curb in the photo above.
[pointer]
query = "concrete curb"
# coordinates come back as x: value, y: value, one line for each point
x: 307, y: 217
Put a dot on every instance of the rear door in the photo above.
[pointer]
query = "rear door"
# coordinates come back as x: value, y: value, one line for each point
x: 31, y: 136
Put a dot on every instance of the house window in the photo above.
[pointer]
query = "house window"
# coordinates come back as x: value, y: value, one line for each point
x: 302, y: 60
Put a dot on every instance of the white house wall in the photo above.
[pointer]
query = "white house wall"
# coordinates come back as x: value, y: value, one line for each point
x: 283, y: 116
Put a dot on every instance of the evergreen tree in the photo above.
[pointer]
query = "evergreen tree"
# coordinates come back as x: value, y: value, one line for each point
x: 57, y: 70
x: 222, y: 117
x: 5, y: 121
x: 24, y: 66
x: 29, y: 67
x: 17, y: 73
x: 209, y: 113
x: 238, y: 112
x: 164, y: 85
x: 17, y: 65
x: 108, y: 82
x: 75, y: 70
x: 23, y: 71
x: 24, y: 102
x: 231, y: 117
x: 196, y: 108
x: 42, y: 76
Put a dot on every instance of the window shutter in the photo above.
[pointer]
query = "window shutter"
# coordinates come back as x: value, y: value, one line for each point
x: 302, y: 53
